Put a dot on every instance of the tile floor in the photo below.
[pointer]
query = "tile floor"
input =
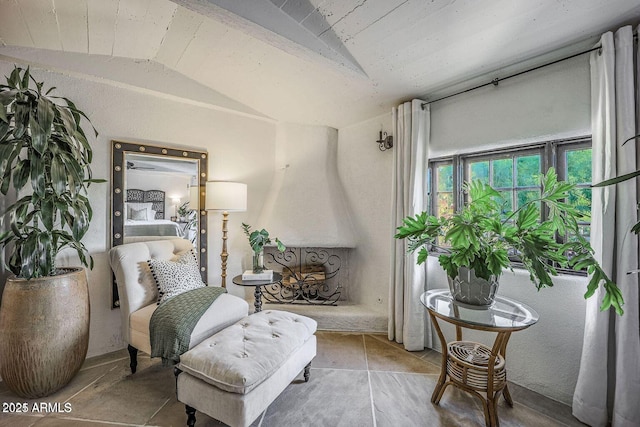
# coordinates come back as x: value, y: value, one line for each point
x: 356, y: 380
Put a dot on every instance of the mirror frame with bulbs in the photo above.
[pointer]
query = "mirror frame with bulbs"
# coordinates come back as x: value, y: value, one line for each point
x: 119, y: 150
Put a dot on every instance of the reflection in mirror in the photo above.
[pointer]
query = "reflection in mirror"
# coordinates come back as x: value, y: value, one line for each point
x: 157, y: 198
x: 157, y: 193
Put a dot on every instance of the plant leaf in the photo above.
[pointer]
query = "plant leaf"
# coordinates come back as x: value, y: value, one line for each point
x: 618, y: 179
x: 58, y: 175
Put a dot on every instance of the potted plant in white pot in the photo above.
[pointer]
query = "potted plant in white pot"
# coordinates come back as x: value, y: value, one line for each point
x: 44, y: 316
x: 475, y: 244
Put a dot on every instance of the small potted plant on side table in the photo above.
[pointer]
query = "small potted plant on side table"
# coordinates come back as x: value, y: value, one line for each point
x: 257, y: 240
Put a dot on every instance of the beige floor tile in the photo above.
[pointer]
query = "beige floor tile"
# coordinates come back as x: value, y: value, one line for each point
x: 338, y: 350
x: 122, y: 397
x: 386, y: 356
x: 432, y: 356
x: 9, y: 420
x: 173, y: 414
x: 108, y: 358
x: 337, y: 398
x: 72, y: 422
x: 405, y: 399
x: 543, y: 405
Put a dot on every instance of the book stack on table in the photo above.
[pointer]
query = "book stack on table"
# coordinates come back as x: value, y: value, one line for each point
x: 264, y: 275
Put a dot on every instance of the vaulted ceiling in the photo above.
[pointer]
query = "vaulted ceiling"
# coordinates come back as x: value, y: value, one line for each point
x: 331, y: 62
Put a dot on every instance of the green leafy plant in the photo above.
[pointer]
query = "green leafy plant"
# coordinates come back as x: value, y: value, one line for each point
x: 625, y: 177
x: 44, y: 152
x: 480, y: 236
x: 189, y: 216
x: 258, y: 239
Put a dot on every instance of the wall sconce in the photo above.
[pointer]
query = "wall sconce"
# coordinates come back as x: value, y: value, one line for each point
x: 385, y: 142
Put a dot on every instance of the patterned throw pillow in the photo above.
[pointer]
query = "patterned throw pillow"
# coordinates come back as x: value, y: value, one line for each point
x: 176, y: 277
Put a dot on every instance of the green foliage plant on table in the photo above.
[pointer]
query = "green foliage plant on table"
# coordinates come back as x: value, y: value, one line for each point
x: 481, y: 237
x: 43, y: 148
x: 258, y: 239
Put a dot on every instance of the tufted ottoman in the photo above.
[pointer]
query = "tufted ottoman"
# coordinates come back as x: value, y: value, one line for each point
x: 234, y: 375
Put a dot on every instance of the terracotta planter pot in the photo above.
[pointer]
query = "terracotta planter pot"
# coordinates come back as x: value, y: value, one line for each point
x: 44, y: 332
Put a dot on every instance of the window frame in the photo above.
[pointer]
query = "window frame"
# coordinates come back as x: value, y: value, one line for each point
x: 551, y: 155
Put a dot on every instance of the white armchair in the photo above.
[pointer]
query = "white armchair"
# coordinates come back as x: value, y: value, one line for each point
x: 138, y: 295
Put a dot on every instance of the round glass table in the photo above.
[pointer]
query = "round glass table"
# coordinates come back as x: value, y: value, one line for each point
x: 471, y: 366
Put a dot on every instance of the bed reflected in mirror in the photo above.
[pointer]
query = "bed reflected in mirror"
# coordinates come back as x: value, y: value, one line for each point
x: 158, y: 193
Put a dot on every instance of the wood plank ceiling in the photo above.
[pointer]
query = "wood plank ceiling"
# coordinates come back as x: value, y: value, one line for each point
x: 331, y: 62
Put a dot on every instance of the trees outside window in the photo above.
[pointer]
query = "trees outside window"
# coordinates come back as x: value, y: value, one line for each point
x: 515, y: 173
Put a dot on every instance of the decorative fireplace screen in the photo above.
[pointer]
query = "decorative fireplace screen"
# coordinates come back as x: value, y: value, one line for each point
x: 309, y: 276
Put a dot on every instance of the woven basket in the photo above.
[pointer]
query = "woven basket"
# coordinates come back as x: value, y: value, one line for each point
x: 467, y: 363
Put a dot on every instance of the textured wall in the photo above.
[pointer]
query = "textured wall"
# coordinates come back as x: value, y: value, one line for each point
x: 365, y: 173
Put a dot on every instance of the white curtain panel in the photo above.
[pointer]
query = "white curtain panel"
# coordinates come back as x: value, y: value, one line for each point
x: 407, y: 315
x: 608, y: 384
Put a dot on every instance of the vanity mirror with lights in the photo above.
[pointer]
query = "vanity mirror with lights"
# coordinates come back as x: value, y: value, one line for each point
x: 158, y: 193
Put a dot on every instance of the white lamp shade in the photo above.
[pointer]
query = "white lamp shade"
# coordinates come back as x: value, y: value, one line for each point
x: 226, y: 196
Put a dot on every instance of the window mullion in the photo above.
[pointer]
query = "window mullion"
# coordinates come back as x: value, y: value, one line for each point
x: 514, y: 184
x: 458, y: 179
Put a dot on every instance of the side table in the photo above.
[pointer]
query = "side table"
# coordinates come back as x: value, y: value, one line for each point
x: 472, y: 366
x: 277, y: 278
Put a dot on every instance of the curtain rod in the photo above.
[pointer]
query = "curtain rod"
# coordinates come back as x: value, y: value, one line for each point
x: 495, y: 81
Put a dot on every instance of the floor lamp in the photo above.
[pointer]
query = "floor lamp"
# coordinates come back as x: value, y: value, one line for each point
x: 225, y: 197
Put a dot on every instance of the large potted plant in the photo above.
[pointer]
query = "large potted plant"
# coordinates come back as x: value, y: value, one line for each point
x: 44, y: 316
x: 476, y: 243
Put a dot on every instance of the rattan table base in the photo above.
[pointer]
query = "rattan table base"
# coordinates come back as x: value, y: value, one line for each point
x: 475, y: 368
x: 471, y: 366
x: 468, y: 362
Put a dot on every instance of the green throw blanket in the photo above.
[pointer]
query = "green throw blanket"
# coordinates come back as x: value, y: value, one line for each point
x: 173, y: 321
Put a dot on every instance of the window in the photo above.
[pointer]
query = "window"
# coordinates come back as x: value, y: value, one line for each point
x: 444, y: 188
x: 574, y: 166
x: 515, y: 173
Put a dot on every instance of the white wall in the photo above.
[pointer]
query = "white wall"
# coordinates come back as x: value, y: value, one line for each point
x: 547, y: 104
x: 240, y: 149
x: 365, y: 173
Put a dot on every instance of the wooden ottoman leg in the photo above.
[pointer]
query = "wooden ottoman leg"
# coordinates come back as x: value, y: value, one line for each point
x: 307, y: 372
x: 133, y: 356
x: 191, y: 416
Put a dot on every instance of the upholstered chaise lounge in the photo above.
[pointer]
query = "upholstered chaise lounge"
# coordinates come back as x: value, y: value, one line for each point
x: 138, y: 295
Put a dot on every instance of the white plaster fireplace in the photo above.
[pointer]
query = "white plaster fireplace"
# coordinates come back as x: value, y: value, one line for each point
x: 306, y: 208
x: 306, y: 205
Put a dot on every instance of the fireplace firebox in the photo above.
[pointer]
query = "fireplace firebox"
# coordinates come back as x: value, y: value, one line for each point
x: 309, y: 275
